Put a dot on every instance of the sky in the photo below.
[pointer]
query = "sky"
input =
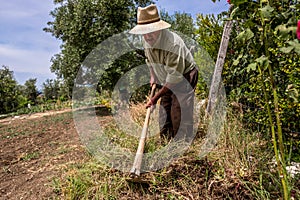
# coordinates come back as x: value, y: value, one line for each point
x: 27, y: 50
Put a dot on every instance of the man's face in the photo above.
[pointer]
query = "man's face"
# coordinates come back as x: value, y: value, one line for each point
x: 151, y: 38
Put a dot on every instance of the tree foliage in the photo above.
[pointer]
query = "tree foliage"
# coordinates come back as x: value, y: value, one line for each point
x: 83, y: 24
x: 209, y: 32
x: 180, y: 22
x: 30, y: 90
x: 52, y: 88
x: 9, y: 94
x: 265, y: 37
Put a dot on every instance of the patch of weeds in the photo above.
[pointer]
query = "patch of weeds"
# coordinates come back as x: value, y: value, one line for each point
x: 58, y: 118
x: 120, y: 138
x: 78, y: 185
x: 30, y: 156
x: 19, y: 133
x: 90, y: 181
x: 7, y: 131
x: 28, y: 128
x: 56, y: 185
x: 10, y: 132
x: 152, y: 144
x: 64, y: 150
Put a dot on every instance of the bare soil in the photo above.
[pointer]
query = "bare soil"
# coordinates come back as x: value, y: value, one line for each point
x: 35, y: 150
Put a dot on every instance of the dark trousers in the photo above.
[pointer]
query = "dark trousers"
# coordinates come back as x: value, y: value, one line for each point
x: 177, y: 106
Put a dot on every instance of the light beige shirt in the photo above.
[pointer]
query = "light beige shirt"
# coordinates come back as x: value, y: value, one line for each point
x: 169, y: 57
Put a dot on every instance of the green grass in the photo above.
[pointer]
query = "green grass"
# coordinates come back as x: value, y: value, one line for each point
x: 30, y: 156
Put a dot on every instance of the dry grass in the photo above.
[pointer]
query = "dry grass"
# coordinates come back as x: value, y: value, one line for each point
x: 237, y: 168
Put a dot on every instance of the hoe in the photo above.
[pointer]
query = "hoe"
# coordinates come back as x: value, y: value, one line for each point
x: 136, y: 168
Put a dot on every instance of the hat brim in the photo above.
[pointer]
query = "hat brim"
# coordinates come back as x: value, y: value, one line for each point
x: 148, y: 28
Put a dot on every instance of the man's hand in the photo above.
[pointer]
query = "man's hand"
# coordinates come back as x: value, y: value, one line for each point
x: 152, y: 102
x: 160, y: 93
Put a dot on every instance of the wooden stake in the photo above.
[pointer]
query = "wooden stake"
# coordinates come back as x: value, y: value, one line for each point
x: 216, y: 80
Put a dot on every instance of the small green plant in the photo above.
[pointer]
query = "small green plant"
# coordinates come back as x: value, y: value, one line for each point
x: 56, y: 185
x: 30, y: 156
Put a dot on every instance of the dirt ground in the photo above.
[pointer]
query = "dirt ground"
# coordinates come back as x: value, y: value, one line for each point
x: 34, y: 150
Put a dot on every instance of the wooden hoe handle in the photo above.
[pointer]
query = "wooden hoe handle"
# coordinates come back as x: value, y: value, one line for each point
x: 136, y: 168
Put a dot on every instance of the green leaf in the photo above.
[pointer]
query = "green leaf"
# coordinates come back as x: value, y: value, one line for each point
x: 295, y: 44
x: 263, y: 61
x: 238, y: 2
x: 286, y: 49
x: 237, y: 61
x: 252, y: 67
x: 284, y: 31
x: 281, y: 27
x: 245, y: 35
x: 267, y: 11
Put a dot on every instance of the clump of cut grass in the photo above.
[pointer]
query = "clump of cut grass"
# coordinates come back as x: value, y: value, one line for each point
x: 131, y: 120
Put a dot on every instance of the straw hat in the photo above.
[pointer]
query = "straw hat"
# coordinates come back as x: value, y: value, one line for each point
x: 148, y: 21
